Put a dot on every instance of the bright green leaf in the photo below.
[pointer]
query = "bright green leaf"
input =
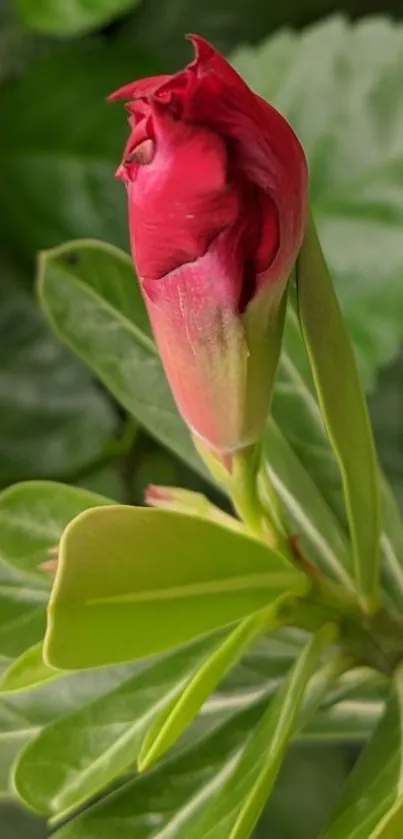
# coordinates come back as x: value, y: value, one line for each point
x: 27, y: 671
x: 173, y: 720
x: 343, y: 408
x: 56, y: 17
x: 372, y: 802
x: 116, y: 596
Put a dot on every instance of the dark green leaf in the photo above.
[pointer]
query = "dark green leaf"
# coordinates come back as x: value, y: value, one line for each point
x: 33, y: 516
x: 55, y: 17
x: 307, y: 789
x: 59, y: 149
x: 52, y: 418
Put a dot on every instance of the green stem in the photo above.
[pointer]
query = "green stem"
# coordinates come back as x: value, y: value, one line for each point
x: 243, y: 488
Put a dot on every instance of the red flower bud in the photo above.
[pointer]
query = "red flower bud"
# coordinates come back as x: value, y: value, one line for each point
x: 217, y: 191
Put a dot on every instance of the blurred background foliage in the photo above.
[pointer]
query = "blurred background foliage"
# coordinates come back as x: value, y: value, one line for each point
x: 59, y: 145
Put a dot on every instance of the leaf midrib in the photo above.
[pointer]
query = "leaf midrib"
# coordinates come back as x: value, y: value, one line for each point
x: 266, y: 580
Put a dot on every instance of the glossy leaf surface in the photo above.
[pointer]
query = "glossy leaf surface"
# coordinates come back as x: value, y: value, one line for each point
x: 116, y: 597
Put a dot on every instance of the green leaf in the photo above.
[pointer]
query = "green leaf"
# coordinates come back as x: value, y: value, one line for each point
x: 114, y: 343
x: 386, y: 408
x: 357, y: 204
x: 78, y: 699
x: 392, y: 547
x: 170, y: 724
x: 11, y: 744
x: 117, y: 703
x: 307, y: 789
x: 224, y: 22
x: 349, y: 721
x: 372, y: 803
x: 69, y: 140
x: 296, y: 411
x: 33, y: 515
x: 161, y: 803
x: 22, y: 615
x: 22, y: 618
x: 55, y: 17
x: 24, y: 714
x: 106, y: 323
x: 53, y: 420
x: 311, y: 777
x: 113, y: 572
x: 305, y: 509
x: 27, y: 671
x: 343, y: 408
x: 101, y: 740
x: 181, y: 798
x: 234, y: 812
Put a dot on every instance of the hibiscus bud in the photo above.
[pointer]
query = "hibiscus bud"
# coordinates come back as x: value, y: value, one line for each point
x: 217, y: 191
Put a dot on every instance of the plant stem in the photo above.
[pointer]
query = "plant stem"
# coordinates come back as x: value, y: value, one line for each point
x: 243, y: 489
